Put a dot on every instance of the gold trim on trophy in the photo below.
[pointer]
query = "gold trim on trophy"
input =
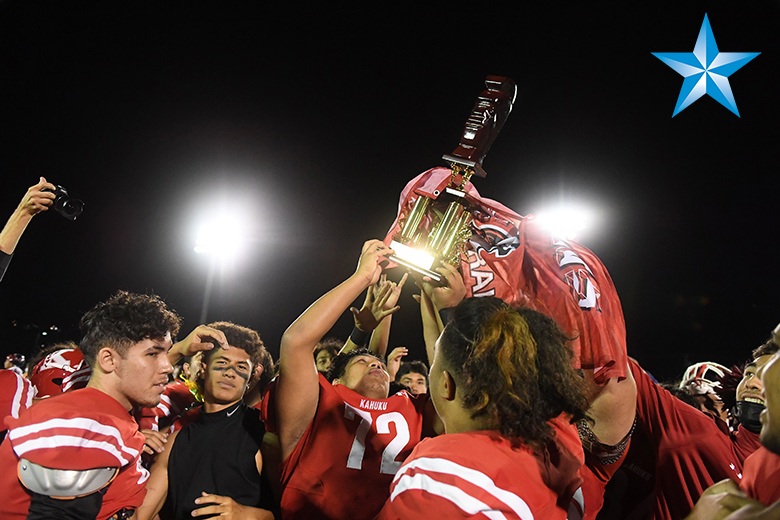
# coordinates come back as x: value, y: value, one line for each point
x: 437, y: 230
x: 434, y: 230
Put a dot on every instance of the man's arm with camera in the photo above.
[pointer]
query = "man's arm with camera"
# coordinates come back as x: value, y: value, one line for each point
x: 37, y: 198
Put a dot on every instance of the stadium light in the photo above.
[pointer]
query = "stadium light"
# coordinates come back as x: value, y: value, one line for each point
x: 567, y: 221
x: 222, y: 238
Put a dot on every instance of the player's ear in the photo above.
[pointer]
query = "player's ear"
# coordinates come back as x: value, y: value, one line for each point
x: 107, y: 359
x: 447, y: 386
x: 258, y: 372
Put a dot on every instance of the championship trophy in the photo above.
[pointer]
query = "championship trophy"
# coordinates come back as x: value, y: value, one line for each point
x: 437, y: 228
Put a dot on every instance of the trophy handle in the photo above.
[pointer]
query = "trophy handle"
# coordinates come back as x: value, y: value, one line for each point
x: 490, y: 111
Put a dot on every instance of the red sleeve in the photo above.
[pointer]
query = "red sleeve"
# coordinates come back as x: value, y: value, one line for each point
x: 188, y: 417
x: 176, y: 398
x: 660, y: 412
x: 148, y: 418
x: 761, y: 476
x: 267, y: 407
x: 16, y: 394
x: 745, y: 443
x: 691, y: 451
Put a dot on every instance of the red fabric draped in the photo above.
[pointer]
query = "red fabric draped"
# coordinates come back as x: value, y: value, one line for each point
x: 513, y: 258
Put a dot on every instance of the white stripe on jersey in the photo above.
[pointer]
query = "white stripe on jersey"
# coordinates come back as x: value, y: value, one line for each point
x: 165, y: 405
x: 142, y: 471
x: 22, y: 384
x: 59, y: 441
x: 77, y: 423
x: 467, y: 503
x: 403, y: 482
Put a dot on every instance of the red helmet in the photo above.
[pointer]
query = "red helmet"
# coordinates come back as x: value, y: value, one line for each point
x: 50, y: 372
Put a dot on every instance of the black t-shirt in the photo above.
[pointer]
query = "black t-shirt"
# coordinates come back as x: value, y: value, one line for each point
x: 216, y: 454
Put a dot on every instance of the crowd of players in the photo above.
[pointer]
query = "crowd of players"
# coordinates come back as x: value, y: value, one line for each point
x: 496, y: 422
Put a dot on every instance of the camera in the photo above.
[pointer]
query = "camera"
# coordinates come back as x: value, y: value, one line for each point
x: 65, y: 205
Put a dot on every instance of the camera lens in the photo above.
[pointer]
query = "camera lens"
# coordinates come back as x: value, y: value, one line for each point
x: 66, y: 206
x: 69, y: 208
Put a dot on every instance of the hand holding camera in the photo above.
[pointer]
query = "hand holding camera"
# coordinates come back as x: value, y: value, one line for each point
x: 38, y: 197
x: 64, y: 204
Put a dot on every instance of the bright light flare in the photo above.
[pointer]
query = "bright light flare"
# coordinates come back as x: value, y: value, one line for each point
x: 568, y: 221
x: 223, y: 236
x: 416, y: 257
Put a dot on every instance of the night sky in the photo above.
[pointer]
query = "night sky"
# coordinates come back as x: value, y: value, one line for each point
x: 311, y: 120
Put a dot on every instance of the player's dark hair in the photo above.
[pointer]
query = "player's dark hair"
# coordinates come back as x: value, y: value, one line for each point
x: 412, y: 367
x: 124, y: 319
x: 513, y: 366
x: 339, y: 364
x: 247, y: 340
x: 766, y: 349
x: 331, y: 345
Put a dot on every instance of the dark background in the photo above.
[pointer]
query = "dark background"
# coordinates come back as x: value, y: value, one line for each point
x: 312, y: 120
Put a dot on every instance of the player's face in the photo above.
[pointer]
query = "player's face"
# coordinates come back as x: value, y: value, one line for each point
x: 770, y: 417
x: 192, y: 369
x: 227, y: 376
x: 415, y: 382
x: 750, y: 388
x: 367, y: 375
x: 323, y: 361
x: 143, y: 371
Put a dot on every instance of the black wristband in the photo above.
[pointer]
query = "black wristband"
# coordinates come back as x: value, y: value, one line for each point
x: 358, y: 337
x: 445, y: 314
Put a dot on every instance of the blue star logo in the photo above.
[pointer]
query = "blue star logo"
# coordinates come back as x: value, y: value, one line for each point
x: 706, y: 70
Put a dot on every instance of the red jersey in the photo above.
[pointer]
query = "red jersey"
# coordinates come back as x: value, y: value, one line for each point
x: 513, y: 257
x: 188, y: 417
x: 78, y: 430
x: 343, y: 465
x: 595, y: 477
x: 16, y: 394
x: 630, y: 492
x: 175, y: 400
x: 480, y: 474
x: 761, y: 476
x: 692, y: 450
